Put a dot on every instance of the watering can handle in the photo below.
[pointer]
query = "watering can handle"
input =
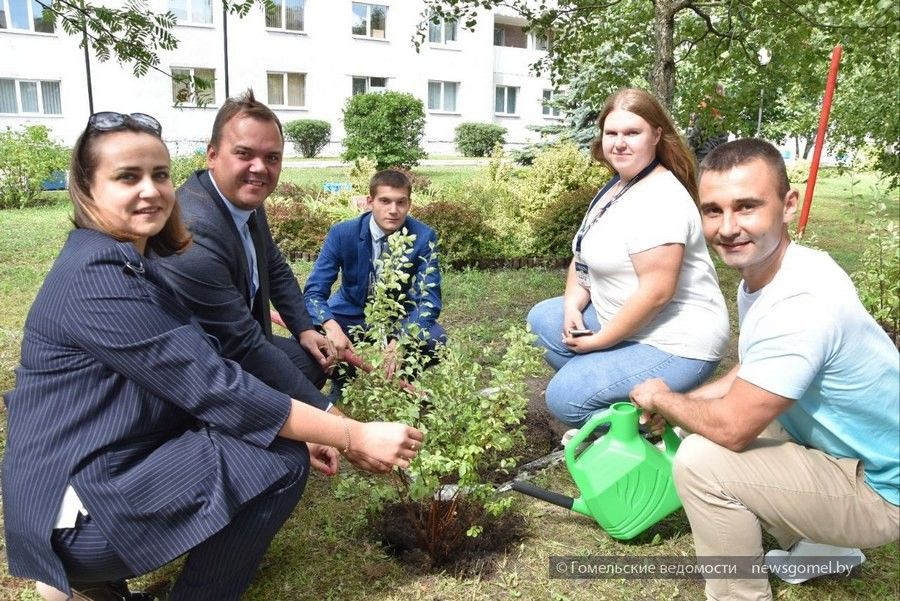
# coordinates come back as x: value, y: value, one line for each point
x: 671, y: 441
x: 595, y: 422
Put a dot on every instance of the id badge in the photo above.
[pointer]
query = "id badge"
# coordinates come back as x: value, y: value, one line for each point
x: 581, y: 272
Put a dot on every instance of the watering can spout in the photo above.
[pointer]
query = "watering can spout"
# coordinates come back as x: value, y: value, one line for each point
x: 579, y: 506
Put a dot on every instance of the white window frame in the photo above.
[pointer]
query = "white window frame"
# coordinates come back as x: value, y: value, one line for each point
x: 443, y: 95
x: 42, y: 110
x: 189, y: 8
x: 284, y: 90
x: 505, y: 112
x: 29, y: 5
x: 283, y: 17
x: 549, y: 112
x: 192, y: 73
x: 368, y: 81
x: 368, y: 35
x: 442, y: 28
x: 535, y: 37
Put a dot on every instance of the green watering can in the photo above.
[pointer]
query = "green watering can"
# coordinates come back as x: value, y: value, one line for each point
x: 625, y: 482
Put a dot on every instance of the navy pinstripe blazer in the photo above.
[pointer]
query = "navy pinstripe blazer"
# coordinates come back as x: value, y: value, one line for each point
x: 120, y: 394
x: 212, y: 280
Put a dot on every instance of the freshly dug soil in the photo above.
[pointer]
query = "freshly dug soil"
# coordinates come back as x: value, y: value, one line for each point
x: 396, y: 527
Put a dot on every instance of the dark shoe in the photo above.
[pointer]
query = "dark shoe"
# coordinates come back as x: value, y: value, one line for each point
x: 108, y: 591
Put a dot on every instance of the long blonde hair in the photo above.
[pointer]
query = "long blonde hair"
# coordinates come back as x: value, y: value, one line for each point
x: 671, y: 150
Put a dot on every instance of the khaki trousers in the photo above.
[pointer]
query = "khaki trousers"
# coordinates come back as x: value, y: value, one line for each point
x: 790, y: 490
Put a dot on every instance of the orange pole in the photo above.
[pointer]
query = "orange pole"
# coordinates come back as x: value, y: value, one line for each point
x: 820, y: 138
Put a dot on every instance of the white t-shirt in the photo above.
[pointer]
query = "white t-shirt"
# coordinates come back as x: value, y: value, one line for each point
x: 658, y: 210
x: 805, y: 336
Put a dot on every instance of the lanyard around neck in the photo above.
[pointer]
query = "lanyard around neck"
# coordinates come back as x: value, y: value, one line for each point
x: 583, y: 230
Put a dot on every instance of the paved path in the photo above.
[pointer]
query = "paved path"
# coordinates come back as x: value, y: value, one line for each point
x: 326, y: 163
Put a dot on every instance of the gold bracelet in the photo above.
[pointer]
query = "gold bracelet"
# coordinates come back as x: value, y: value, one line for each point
x: 346, y: 434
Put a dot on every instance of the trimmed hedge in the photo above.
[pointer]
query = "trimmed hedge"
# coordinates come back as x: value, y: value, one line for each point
x: 309, y: 136
x: 478, y: 139
x: 386, y: 126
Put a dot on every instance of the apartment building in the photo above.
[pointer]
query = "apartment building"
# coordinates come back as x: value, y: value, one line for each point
x: 303, y: 57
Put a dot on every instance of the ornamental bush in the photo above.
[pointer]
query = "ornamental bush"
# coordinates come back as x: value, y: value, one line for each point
x: 469, y: 430
x: 309, y: 136
x: 558, y: 222
x: 463, y: 234
x: 184, y: 166
x: 27, y: 158
x: 478, y: 139
x: 385, y: 126
x: 296, y: 228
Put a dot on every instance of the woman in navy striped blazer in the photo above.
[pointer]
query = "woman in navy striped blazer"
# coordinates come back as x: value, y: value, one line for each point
x: 130, y: 441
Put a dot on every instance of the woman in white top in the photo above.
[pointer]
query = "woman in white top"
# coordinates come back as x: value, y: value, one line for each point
x: 642, y: 299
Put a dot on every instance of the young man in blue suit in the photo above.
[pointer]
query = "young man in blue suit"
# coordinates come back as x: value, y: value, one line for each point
x: 351, y: 249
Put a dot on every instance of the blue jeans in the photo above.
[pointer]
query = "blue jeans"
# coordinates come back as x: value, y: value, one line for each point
x: 589, y: 383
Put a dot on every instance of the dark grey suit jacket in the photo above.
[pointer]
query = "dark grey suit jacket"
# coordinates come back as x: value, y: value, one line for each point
x: 212, y: 280
x: 120, y: 394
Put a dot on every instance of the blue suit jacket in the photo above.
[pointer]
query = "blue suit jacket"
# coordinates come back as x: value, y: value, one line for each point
x: 212, y: 280
x: 120, y: 394
x: 348, y: 250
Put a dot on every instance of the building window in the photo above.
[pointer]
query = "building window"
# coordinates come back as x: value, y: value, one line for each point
x: 442, y: 32
x: 192, y: 11
x: 540, y: 41
x: 548, y: 109
x: 30, y: 97
x: 505, y: 100
x: 285, y: 14
x: 185, y: 89
x: 442, y: 95
x: 287, y: 89
x: 27, y: 15
x: 509, y: 35
x: 369, y: 20
x: 363, y: 85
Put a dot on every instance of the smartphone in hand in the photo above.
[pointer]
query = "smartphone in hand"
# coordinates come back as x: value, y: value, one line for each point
x: 575, y: 332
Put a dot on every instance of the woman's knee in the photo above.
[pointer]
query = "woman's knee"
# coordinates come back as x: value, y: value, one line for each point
x: 545, y: 318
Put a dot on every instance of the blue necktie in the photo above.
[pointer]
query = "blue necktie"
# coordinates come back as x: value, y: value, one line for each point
x: 251, y: 258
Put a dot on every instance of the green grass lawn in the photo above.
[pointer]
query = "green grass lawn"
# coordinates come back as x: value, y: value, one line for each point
x: 324, y: 552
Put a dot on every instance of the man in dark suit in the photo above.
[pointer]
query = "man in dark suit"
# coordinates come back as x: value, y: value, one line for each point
x: 233, y: 269
x: 352, y: 248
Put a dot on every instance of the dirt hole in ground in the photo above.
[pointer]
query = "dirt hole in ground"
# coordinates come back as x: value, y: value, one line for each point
x: 403, y: 528
x: 399, y: 528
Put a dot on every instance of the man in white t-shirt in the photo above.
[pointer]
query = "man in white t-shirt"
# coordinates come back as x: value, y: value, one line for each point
x: 816, y: 372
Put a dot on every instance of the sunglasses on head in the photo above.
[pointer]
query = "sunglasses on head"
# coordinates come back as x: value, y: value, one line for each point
x: 110, y: 121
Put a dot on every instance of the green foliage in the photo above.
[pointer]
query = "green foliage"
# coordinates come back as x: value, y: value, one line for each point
x: 683, y: 50
x: 463, y: 234
x: 309, y: 136
x: 798, y: 171
x: 556, y: 170
x: 27, y: 158
x: 478, y: 139
x: 878, y: 279
x: 296, y: 228
x: 467, y: 430
x: 557, y: 223
x: 361, y: 172
x: 386, y: 126
x: 185, y: 165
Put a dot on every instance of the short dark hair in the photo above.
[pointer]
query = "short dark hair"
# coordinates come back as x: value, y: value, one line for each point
x: 392, y: 178
x: 174, y: 238
x: 740, y: 152
x: 245, y: 104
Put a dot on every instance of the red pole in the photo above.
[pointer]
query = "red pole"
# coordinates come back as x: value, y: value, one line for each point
x: 820, y: 138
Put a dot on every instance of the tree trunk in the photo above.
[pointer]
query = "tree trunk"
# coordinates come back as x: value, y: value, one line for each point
x: 663, y: 75
x: 810, y: 143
